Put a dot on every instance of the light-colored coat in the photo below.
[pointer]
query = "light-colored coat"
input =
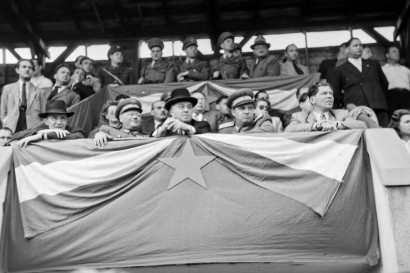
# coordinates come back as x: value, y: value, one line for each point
x: 303, y: 121
x: 10, y: 105
x: 287, y: 69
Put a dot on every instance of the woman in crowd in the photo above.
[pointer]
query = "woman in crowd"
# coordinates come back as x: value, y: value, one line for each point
x: 263, y: 120
x: 107, y: 117
x: 400, y: 121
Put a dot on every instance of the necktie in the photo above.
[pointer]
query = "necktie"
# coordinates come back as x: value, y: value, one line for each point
x: 52, y: 94
x: 24, y: 97
x: 153, y: 63
x: 297, y: 69
x: 323, y: 117
x: 159, y: 125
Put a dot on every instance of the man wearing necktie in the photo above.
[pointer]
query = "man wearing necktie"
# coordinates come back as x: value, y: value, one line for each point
x: 262, y: 64
x: 322, y: 117
x: 201, y: 113
x: 158, y: 115
x: 291, y: 65
x: 362, y: 81
x: 192, y: 69
x: 22, y: 102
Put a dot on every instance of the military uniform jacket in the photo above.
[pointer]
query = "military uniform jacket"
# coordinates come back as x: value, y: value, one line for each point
x: 230, y: 128
x: 124, y: 74
x: 162, y: 72
x: 198, y: 70
x: 67, y: 95
x: 120, y: 133
x: 266, y: 67
x: 232, y: 67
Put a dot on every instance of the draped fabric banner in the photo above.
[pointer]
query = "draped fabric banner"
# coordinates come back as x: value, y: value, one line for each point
x: 184, y: 200
x: 281, y: 90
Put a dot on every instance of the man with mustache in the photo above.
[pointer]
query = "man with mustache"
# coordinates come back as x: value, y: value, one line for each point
x: 158, y: 115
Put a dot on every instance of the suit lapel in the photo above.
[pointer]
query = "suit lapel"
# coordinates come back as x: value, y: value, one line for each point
x: 31, y: 94
x: 16, y: 93
x: 365, y: 67
x: 351, y: 68
x: 311, y: 118
x: 332, y: 116
x: 61, y: 93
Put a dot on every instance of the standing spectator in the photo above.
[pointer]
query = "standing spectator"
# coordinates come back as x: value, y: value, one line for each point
x: 229, y: 67
x: 400, y: 122
x: 327, y: 67
x: 158, y: 116
x: 157, y: 70
x: 38, y: 79
x: 90, y: 80
x: 398, y: 95
x: 5, y: 135
x: 367, y: 53
x: 62, y: 89
x: 262, y: 64
x: 362, y: 81
x: 192, y: 69
x: 291, y: 65
x: 115, y: 74
x: 201, y: 114
x: 22, y: 102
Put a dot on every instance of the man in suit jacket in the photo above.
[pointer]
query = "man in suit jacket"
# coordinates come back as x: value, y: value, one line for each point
x: 291, y: 66
x: 180, y: 106
x: 327, y: 67
x: 362, y: 81
x: 158, y: 115
x: 201, y: 114
x: 22, y: 102
x: 262, y: 64
x: 322, y: 117
x: 61, y: 89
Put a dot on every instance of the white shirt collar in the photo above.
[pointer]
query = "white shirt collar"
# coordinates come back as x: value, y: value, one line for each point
x: 318, y: 116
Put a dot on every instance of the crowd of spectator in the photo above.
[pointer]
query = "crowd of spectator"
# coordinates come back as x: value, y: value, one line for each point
x: 354, y: 92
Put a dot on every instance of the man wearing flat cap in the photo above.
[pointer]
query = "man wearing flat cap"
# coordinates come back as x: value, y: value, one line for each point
x: 54, y: 127
x: 128, y: 112
x: 229, y: 66
x: 242, y: 107
x: 115, y: 74
x: 180, y: 106
x: 192, y: 69
x: 262, y: 64
x: 157, y: 70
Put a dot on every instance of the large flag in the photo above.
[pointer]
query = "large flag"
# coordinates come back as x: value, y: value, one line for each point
x: 202, y: 199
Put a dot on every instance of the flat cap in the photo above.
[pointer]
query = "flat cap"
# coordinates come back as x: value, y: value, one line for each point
x: 128, y: 104
x: 189, y: 42
x: 224, y: 36
x: 155, y: 42
x: 114, y: 49
x: 240, y: 97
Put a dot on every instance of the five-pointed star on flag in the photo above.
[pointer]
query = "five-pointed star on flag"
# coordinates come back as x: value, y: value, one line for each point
x: 187, y: 166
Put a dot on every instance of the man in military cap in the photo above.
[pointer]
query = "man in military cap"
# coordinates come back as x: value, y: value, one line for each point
x: 180, y: 106
x: 157, y: 70
x: 192, y: 69
x: 115, y: 74
x: 262, y: 64
x: 242, y: 109
x: 229, y: 67
x: 128, y: 112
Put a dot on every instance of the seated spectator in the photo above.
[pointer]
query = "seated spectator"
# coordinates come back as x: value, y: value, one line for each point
x: 107, y: 117
x: 180, y: 106
x: 5, y: 135
x: 38, y: 79
x: 367, y: 53
x: 229, y: 67
x: 158, y: 116
x: 128, y: 113
x: 224, y: 113
x: 201, y: 114
x: 157, y: 70
x: 90, y: 80
x: 262, y: 95
x: 237, y: 50
x: 78, y: 61
x: 84, y: 91
x: 322, y: 117
x: 400, y: 122
x: 54, y: 126
x: 192, y: 69
x: 263, y: 65
x: 304, y: 104
x: 121, y: 97
x: 398, y: 94
x: 242, y: 108
x: 61, y: 89
x: 291, y: 65
x: 115, y: 74
x: 327, y: 67
x: 263, y: 120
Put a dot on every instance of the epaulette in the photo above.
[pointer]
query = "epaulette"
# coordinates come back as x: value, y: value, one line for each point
x: 226, y: 125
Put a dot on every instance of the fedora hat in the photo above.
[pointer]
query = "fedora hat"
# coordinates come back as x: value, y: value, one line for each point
x: 56, y: 107
x: 178, y: 95
x: 260, y: 40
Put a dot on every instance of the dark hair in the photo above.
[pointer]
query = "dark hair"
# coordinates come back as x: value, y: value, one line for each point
x: 299, y: 90
x: 86, y: 58
x: 6, y: 129
x: 303, y: 98
x: 66, y: 65
x: 388, y: 49
x: 343, y: 44
x: 348, y: 43
x: 287, y: 47
x: 122, y: 96
x: 395, y: 119
x: 259, y: 92
x: 218, y: 101
x: 153, y: 104
x: 314, y: 89
x: 80, y: 69
x: 104, y: 110
x: 79, y: 58
x: 265, y: 100
x: 24, y: 60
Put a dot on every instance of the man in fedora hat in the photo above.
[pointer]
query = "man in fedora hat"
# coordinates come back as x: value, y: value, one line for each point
x: 229, y: 66
x: 262, y: 64
x: 54, y: 126
x: 115, y: 74
x: 180, y: 106
x: 192, y: 69
x: 128, y: 112
x: 157, y: 70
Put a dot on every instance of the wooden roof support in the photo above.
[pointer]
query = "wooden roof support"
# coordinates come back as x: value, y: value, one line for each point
x: 97, y: 14
x: 214, y: 23
x: 401, y: 22
x: 60, y: 59
x: 246, y: 39
x: 380, y: 39
x: 22, y: 26
x: 13, y: 52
